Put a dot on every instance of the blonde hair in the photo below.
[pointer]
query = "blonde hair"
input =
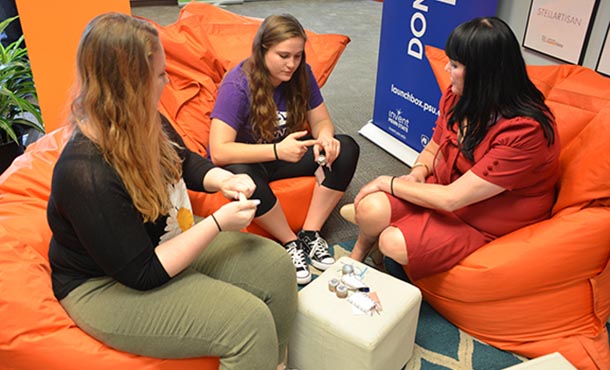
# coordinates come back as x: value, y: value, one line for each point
x: 263, y: 111
x: 114, y: 107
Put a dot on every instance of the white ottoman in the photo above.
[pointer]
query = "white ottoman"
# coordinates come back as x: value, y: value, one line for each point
x: 553, y: 361
x: 329, y: 335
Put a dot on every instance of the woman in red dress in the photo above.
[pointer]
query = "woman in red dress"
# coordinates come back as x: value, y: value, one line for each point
x: 490, y: 168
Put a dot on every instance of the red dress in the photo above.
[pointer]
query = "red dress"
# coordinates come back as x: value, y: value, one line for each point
x: 514, y: 155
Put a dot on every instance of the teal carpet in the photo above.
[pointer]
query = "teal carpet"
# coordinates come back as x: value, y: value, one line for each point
x: 439, y: 345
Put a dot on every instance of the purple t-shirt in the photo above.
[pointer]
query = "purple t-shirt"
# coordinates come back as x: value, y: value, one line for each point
x: 233, y: 104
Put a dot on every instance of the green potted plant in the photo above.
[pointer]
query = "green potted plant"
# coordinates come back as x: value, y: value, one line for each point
x: 19, y: 109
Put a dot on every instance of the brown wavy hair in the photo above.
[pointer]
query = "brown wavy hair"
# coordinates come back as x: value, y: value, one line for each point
x: 114, y: 108
x: 263, y: 110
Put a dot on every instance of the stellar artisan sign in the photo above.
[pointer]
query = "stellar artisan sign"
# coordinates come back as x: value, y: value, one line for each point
x: 560, y: 28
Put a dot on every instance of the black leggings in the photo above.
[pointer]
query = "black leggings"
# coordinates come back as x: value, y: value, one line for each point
x: 343, y: 169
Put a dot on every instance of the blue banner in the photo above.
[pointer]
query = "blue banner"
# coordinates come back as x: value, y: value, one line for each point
x: 407, y: 94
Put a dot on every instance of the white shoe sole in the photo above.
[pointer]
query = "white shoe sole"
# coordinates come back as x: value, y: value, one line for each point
x: 320, y: 265
x: 304, y: 280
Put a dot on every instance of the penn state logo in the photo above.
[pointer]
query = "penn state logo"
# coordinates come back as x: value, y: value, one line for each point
x: 424, y: 140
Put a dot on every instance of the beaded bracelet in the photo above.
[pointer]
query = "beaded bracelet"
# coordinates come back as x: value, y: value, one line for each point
x: 420, y: 164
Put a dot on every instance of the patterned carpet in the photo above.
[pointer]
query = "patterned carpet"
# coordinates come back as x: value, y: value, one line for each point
x: 439, y: 345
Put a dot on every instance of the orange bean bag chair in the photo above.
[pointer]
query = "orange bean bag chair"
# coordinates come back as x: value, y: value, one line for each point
x: 36, y: 332
x: 200, y: 47
x: 546, y: 287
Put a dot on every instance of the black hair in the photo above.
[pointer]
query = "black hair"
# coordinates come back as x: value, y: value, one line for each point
x: 496, y: 83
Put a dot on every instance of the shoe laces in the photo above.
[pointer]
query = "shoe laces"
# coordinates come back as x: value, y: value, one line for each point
x: 319, y: 247
x: 297, y: 255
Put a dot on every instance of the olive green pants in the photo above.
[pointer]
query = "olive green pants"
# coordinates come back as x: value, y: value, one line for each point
x: 237, y: 301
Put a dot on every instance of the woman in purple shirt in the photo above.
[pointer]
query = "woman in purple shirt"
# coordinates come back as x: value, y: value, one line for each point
x: 260, y: 122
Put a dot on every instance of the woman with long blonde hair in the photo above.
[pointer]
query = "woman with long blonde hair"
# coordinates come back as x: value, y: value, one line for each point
x: 129, y: 265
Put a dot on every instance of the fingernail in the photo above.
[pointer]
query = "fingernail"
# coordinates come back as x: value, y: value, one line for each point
x: 256, y: 201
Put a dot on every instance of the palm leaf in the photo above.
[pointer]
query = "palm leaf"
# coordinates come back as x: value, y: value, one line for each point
x: 17, y: 90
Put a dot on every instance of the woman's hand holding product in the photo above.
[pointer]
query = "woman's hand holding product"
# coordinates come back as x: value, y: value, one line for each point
x: 291, y: 149
x: 236, y: 215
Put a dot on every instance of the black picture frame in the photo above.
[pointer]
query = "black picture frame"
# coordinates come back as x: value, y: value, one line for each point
x: 603, y: 61
x: 559, y: 28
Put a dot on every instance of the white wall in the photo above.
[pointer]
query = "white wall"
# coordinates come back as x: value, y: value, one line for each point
x: 515, y: 12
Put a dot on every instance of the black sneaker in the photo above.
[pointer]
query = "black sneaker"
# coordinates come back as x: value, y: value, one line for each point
x: 317, y: 249
x: 295, y: 250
